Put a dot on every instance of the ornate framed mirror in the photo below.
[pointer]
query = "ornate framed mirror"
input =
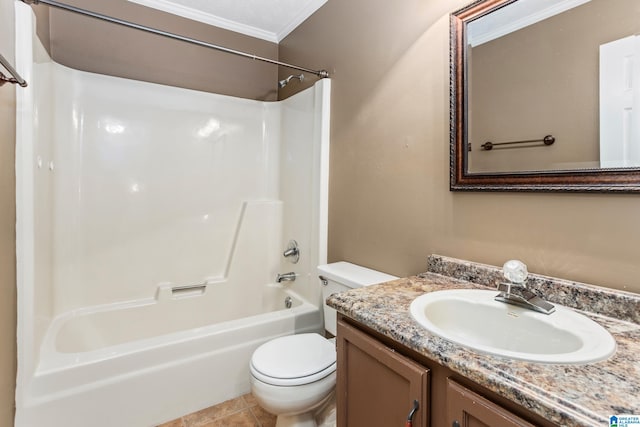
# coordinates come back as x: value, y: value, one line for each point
x: 545, y: 96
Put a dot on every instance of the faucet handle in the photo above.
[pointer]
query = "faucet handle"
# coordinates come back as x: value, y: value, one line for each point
x: 515, y: 272
x: 292, y: 252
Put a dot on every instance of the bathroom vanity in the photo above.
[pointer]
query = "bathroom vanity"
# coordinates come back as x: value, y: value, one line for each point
x: 380, y: 381
x: 387, y: 361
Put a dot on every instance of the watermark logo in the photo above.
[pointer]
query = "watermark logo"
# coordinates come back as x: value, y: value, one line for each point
x: 624, y: 421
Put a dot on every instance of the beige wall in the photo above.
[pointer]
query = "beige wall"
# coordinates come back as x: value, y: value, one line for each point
x: 390, y: 204
x: 7, y: 224
x: 92, y: 45
x: 522, y: 83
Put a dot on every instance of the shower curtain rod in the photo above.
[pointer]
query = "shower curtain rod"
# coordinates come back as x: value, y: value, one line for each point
x: 16, y: 79
x: 69, y: 8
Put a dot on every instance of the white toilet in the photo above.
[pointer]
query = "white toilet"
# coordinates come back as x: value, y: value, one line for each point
x: 293, y: 376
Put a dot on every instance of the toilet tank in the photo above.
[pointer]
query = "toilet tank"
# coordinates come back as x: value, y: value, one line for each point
x: 342, y: 276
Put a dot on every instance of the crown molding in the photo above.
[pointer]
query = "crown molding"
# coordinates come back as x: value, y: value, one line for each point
x: 208, y: 18
x: 311, y: 7
x: 503, y: 22
x: 227, y: 24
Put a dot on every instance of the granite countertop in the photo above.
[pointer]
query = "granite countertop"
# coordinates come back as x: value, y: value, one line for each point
x: 568, y: 395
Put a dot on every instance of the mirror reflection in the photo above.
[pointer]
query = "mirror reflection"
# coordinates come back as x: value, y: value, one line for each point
x: 546, y: 68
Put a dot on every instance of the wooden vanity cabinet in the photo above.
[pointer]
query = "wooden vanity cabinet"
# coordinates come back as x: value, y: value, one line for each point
x: 377, y: 387
x: 466, y: 408
x: 378, y: 379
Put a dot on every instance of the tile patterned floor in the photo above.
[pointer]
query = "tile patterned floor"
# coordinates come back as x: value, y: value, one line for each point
x: 242, y: 411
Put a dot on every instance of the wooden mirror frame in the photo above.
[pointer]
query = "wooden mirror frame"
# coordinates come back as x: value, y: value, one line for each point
x: 623, y: 180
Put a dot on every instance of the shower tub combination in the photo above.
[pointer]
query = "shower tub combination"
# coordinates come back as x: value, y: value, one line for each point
x: 151, y: 226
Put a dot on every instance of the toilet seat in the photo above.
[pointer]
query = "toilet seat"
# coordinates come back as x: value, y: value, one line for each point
x: 294, y: 360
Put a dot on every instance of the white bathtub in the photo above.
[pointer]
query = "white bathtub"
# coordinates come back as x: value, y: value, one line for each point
x: 144, y: 363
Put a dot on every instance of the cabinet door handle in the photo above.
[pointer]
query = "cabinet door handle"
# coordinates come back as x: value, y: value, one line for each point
x: 455, y: 424
x: 413, y: 411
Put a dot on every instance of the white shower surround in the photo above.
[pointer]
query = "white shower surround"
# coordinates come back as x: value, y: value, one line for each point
x: 126, y: 190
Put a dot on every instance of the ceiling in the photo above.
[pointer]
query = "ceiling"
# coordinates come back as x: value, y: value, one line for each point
x: 270, y: 20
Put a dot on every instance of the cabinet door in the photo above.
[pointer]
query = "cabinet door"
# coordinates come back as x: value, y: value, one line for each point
x: 468, y: 409
x: 376, y: 386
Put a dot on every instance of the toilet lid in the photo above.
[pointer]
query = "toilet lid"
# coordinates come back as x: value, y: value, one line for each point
x: 294, y: 359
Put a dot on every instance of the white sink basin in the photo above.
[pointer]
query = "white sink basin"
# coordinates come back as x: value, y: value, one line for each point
x: 472, y: 318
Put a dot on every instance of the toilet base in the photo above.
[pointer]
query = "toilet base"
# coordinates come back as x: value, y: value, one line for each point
x: 322, y: 415
x: 289, y: 401
x: 308, y: 418
x: 301, y: 420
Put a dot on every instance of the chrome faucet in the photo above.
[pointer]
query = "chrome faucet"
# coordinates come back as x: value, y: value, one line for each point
x: 515, y: 291
x: 292, y: 252
x: 286, y: 277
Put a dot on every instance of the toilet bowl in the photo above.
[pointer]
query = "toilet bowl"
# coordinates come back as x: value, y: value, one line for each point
x: 293, y: 376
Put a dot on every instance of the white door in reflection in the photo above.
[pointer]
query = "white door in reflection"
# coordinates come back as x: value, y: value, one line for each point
x: 620, y: 103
